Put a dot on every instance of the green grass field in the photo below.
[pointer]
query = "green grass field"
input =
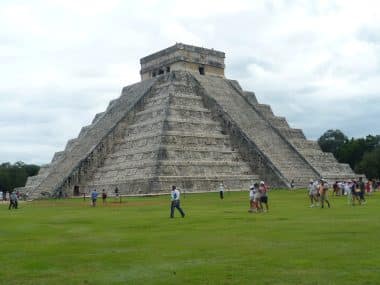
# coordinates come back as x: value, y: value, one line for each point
x: 218, y: 242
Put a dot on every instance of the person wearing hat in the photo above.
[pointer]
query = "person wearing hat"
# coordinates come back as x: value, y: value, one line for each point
x: 175, y: 203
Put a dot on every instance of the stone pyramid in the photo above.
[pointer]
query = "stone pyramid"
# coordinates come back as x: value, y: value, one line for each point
x: 184, y: 124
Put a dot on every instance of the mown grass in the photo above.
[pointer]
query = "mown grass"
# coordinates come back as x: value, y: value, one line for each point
x: 218, y: 242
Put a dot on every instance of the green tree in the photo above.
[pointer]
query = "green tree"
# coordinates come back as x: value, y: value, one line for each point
x: 352, y: 151
x: 370, y: 164
x: 12, y: 176
x: 332, y: 141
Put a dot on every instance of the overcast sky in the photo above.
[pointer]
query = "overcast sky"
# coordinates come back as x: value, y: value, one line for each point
x: 61, y: 61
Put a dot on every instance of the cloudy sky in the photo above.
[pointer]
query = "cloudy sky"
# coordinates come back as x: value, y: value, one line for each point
x: 61, y: 61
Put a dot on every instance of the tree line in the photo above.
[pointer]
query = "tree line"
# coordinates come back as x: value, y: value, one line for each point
x: 362, y: 154
x: 15, y: 175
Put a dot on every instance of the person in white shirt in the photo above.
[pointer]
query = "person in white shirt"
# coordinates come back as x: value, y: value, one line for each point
x: 254, y: 198
x: 221, y: 190
x: 175, y: 202
x: 312, y: 193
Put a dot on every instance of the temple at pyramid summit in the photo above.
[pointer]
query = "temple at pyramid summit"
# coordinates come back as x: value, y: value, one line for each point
x: 184, y: 124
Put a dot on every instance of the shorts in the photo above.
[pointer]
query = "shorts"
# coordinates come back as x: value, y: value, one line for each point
x: 264, y: 199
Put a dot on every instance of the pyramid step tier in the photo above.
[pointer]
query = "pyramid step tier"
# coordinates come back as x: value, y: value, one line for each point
x: 186, y: 184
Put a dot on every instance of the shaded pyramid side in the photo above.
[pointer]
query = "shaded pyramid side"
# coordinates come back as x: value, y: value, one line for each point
x: 277, y: 160
x: 70, y: 166
x: 324, y: 162
x: 172, y: 140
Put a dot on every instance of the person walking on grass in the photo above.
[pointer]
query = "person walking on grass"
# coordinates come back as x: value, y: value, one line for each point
x: 13, y: 201
x: 312, y: 193
x: 355, y: 193
x: 94, y: 196
x: 175, y: 202
x: 348, y: 192
x: 323, y: 188
x: 221, y: 190
x: 254, y: 198
x: 361, y: 186
x: 104, y: 196
x: 263, y: 190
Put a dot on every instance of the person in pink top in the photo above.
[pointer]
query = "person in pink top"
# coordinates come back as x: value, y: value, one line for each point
x: 263, y: 189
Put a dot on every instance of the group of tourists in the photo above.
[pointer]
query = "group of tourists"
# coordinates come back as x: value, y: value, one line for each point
x: 258, y: 198
x: 95, y: 194
x: 318, y: 193
x: 355, y: 191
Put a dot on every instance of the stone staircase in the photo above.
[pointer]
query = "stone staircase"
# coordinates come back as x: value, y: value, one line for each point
x: 287, y: 164
x: 324, y: 163
x: 173, y: 141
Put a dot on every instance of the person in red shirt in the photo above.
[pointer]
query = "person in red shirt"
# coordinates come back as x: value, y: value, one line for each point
x: 263, y: 189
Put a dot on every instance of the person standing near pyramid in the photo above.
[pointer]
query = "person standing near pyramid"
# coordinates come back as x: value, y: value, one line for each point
x: 175, y: 202
x: 221, y: 190
x: 94, y: 196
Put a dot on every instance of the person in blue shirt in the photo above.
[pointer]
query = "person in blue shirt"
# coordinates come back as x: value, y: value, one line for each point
x: 94, y: 196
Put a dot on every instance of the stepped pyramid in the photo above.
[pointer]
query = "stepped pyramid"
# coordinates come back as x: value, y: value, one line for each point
x: 184, y: 124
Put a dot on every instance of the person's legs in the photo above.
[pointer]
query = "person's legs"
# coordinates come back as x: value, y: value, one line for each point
x: 221, y: 194
x: 180, y: 209
x: 172, y: 206
x: 311, y: 200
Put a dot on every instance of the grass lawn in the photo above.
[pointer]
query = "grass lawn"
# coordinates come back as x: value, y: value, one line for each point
x: 218, y: 242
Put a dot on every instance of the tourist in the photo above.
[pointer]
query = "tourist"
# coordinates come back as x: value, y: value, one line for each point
x: 316, y: 193
x: 292, y: 184
x: 323, y: 188
x: 254, y: 198
x: 341, y: 187
x: 117, y: 194
x: 348, y: 192
x: 312, y: 193
x: 221, y: 190
x: 336, y: 189
x: 355, y: 193
x: 175, y: 202
x: 361, y: 187
x: 104, y: 196
x: 251, y: 199
x: 94, y: 196
x: 13, y: 201
x: 368, y: 187
x: 263, y: 190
